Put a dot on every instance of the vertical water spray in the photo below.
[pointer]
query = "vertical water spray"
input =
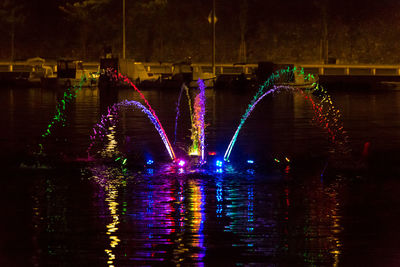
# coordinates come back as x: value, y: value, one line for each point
x: 189, y: 102
x: 186, y: 89
x: 198, y: 125
x: 201, y: 106
x: 177, y: 112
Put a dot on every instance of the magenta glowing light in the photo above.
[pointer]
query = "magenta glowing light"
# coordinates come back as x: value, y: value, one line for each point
x: 201, y: 99
x: 198, y: 125
x: 181, y: 163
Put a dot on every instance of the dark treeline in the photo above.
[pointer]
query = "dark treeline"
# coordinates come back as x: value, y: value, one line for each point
x: 171, y: 30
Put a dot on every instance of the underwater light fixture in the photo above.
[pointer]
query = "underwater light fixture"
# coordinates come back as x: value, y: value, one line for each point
x: 181, y: 163
x: 218, y: 163
x: 149, y: 162
x: 250, y: 171
x: 250, y: 161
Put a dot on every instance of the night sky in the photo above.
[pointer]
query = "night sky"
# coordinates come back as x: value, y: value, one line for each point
x: 168, y: 30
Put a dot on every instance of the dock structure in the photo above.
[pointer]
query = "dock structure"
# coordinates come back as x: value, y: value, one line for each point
x: 11, y: 72
x: 32, y: 71
x: 384, y: 72
x: 14, y: 67
x: 235, y: 68
x: 346, y: 73
x: 221, y: 68
x: 361, y: 75
x: 351, y: 70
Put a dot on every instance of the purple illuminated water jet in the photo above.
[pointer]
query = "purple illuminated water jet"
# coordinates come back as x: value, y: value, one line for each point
x: 127, y: 81
x: 102, y: 128
x: 198, y: 125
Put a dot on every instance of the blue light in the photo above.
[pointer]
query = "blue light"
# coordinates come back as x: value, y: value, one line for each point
x: 181, y: 163
x: 250, y: 161
x: 250, y: 171
x: 218, y: 163
x: 219, y: 170
x: 149, y: 162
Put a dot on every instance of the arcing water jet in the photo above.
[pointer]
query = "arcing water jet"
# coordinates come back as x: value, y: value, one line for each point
x: 102, y: 128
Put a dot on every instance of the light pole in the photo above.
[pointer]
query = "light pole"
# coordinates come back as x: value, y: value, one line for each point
x: 123, y: 29
x: 213, y: 38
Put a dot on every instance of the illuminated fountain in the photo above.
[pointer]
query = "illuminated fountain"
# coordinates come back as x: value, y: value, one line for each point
x: 161, y: 204
x: 325, y: 115
x: 328, y: 118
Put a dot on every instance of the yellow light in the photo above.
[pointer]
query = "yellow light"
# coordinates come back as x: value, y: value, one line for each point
x: 112, y: 227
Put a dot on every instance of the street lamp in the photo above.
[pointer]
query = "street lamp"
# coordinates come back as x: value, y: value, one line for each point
x: 213, y: 19
x: 123, y: 29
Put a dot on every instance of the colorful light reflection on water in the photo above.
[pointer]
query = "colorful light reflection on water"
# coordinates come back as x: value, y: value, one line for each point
x: 112, y: 227
x: 167, y: 215
x: 196, y: 218
x: 172, y: 219
x: 301, y: 219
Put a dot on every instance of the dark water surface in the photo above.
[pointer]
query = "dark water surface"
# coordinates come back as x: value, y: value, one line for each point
x: 315, y: 210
